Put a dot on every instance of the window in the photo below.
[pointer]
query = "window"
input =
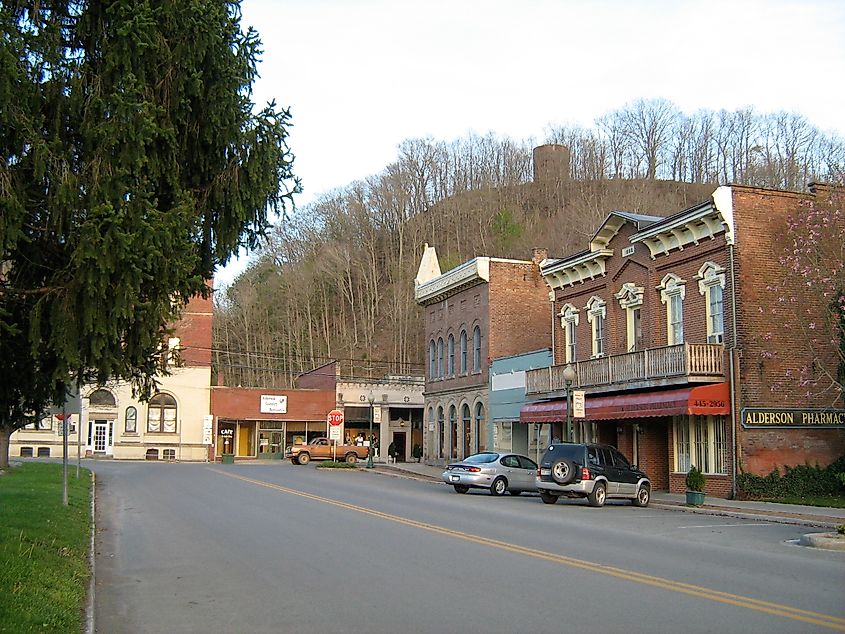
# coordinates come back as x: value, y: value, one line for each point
x: 130, y: 421
x: 672, y: 291
x: 440, y: 357
x: 100, y: 399
x: 479, y: 424
x: 463, y: 351
x: 450, y: 349
x: 453, y: 431
x: 569, y: 322
x: 711, y: 284
x: 630, y: 299
x: 596, y: 313
x: 161, y: 414
x: 476, y: 349
x: 441, y: 428
x: 700, y: 441
x: 168, y: 454
x: 432, y: 361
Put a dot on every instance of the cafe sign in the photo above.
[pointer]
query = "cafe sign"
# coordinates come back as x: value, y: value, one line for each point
x: 762, y: 417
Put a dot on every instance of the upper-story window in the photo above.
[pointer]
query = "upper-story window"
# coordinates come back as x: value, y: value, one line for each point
x: 711, y: 284
x: 450, y: 357
x: 476, y: 349
x: 432, y: 360
x: 463, y: 351
x: 161, y: 414
x: 569, y: 317
x: 440, y: 357
x: 630, y: 298
x: 596, y: 314
x: 130, y: 422
x: 672, y: 291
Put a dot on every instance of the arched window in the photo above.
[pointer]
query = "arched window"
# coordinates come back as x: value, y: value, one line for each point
x: 101, y: 398
x: 672, y: 291
x: 711, y: 284
x: 569, y: 322
x: 453, y: 431
x: 467, y: 427
x: 441, y: 430
x: 596, y: 313
x: 130, y: 421
x: 479, y: 427
x: 432, y: 361
x: 440, y: 357
x: 476, y: 349
x: 463, y: 351
x: 161, y: 414
x: 450, y: 356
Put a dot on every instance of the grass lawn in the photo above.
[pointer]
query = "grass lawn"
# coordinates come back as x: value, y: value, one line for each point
x: 835, y: 501
x: 43, y: 548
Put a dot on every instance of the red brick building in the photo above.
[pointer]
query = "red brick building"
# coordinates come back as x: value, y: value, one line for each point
x: 482, y: 309
x: 668, y: 324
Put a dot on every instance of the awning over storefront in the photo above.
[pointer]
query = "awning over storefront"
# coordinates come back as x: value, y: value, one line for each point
x: 713, y: 399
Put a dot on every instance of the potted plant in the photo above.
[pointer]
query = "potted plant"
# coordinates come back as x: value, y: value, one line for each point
x: 695, y: 486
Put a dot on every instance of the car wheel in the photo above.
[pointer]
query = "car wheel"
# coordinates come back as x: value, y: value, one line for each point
x: 499, y: 486
x: 304, y: 458
x: 548, y: 498
x: 598, y: 496
x: 461, y: 488
x: 643, y: 496
x: 563, y: 471
x: 351, y: 458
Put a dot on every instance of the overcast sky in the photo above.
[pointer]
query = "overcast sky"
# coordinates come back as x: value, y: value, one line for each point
x: 361, y: 76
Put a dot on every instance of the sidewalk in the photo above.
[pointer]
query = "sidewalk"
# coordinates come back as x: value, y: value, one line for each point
x: 811, y: 516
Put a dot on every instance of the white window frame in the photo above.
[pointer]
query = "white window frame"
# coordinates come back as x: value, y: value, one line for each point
x: 596, y: 314
x: 711, y: 277
x: 700, y: 441
x: 630, y: 298
x: 672, y: 292
x: 569, y: 319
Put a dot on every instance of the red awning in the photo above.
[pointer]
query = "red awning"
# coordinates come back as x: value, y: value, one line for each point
x: 713, y: 399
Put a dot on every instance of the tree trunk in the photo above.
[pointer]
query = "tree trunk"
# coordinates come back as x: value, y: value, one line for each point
x: 5, y: 433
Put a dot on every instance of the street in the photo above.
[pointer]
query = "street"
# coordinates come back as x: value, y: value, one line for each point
x: 275, y: 547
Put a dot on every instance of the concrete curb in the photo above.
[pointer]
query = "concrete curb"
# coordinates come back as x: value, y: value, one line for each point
x: 89, y: 604
x: 813, y: 522
x: 828, y: 541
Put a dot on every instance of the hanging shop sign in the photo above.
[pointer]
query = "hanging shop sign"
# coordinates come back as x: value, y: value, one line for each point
x: 762, y: 417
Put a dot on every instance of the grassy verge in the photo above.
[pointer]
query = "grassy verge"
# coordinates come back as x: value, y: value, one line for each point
x: 43, y: 548
x: 835, y: 501
x: 332, y: 464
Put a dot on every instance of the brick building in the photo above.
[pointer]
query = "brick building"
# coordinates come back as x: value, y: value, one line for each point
x: 667, y: 323
x: 482, y: 309
x: 175, y: 424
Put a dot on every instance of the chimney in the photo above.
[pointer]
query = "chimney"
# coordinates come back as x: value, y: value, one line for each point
x: 538, y: 255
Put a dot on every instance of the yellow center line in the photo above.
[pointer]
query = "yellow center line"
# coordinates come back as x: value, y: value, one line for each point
x: 776, y: 609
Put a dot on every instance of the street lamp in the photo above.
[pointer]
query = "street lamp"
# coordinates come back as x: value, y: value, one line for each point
x: 371, y: 399
x: 568, y: 379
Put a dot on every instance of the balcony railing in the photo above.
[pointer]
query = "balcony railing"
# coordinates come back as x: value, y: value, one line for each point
x: 694, y: 362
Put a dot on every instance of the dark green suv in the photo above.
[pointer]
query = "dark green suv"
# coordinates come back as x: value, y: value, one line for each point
x: 595, y: 472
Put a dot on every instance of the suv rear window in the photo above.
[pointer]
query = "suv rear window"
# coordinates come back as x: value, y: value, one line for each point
x: 570, y: 452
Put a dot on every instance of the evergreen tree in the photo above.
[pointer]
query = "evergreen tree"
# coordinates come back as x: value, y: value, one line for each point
x: 132, y: 164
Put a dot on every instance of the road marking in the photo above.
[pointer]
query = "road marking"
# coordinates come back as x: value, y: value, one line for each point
x: 701, y: 592
x: 726, y: 525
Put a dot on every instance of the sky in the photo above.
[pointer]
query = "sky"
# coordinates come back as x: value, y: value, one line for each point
x: 361, y: 76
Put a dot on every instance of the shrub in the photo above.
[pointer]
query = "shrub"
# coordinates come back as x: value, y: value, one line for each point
x: 695, y: 479
x: 797, y: 481
x: 332, y: 464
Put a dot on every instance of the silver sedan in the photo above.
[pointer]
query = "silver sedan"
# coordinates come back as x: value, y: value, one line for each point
x: 498, y: 472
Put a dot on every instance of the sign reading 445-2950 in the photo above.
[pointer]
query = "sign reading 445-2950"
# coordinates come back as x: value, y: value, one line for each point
x: 759, y: 417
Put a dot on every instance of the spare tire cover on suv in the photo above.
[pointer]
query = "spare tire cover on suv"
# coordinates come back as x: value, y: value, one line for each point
x: 563, y: 471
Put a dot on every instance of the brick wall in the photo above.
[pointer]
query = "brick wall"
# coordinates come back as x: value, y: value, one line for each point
x: 519, y: 309
x: 194, y: 332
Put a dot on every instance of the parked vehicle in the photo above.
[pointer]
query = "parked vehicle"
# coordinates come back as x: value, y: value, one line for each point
x: 498, y: 472
x: 321, y: 449
x: 595, y: 472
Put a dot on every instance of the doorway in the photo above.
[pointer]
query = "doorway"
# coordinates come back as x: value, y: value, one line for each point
x: 399, y: 445
x: 103, y: 436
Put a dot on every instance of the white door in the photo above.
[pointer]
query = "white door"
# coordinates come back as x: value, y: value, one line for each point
x: 103, y: 433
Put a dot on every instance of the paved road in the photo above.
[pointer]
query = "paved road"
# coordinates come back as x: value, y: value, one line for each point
x: 282, y: 548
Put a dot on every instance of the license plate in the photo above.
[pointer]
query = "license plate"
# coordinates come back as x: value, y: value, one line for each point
x: 455, y: 478
x: 545, y: 472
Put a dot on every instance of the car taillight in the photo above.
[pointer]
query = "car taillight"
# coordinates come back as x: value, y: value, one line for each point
x: 473, y: 469
x: 538, y: 472
x: 585, y: 473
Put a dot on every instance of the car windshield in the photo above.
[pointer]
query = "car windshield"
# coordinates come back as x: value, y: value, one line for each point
x: 481, y: 458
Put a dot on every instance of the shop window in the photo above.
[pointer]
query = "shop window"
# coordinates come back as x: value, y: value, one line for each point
x: 711, y: 284
x: 161, y: 414
x: 672, y: 291
x: 479, y: 426
x: 569, y: 317
x: 700, y: 441
x: 441, y: 429
x: 26, y: 452
x: 596, y: 314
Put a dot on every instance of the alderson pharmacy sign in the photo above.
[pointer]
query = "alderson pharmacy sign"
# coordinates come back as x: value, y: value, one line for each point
x: 761, y: 417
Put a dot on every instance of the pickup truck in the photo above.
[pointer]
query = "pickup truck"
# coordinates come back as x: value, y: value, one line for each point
x: 321, y: 449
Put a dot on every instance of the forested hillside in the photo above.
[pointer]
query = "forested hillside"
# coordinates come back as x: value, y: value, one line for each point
x: 336, y: 280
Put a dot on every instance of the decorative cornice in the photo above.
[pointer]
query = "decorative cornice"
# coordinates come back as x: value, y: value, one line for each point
x: 688, y: 227
x: 476, y: 271
x: 579, y: 268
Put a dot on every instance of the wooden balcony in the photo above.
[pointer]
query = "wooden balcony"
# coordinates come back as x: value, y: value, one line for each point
x: 654, y: 367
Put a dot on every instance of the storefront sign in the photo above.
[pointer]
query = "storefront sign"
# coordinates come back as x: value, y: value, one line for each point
x: 274, y: 404
x: 578, y: 401
x: 760, y: 417
x: 207, y: 424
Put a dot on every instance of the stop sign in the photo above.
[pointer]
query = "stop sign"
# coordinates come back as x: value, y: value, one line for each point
x: 335, y: 417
